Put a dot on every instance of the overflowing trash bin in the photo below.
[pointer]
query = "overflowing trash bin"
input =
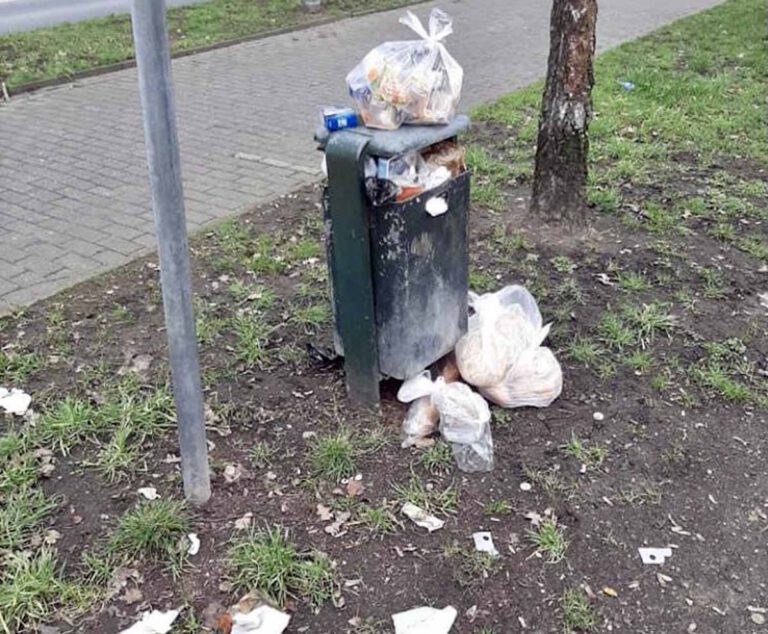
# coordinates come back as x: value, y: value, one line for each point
x: 396, y: 208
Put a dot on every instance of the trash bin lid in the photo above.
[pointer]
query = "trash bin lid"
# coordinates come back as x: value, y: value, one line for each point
x: 406, y: 138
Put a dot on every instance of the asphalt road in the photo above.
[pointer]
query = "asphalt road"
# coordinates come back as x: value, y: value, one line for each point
x: 24, y: 15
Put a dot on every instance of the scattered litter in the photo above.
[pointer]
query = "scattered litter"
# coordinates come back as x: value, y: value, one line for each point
x: 610, y: 592
x: 14, y: 401
x: 627, y: 85
x: 763, y: 297
x: 663, y: 579
x: 150, y: 493
x: 484, y: 543
x: 261, y: 620
x: 598, y: 416
x: 421, y: 518
x: 415, y: 81
x: 244, y: 522
x: 436, y: 206
x: 604, y: 279
x: 194, y: 544
x: 232, y: 473
x: 654, y: 555
x: 425, y: 620
x: 525, y: 486
x: 757, y: 618
x: 154, y: 622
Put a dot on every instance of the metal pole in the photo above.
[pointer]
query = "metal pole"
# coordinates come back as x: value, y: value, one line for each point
x: 155, y: 87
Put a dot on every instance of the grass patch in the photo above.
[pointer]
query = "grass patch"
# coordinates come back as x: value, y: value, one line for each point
x: 591, y: 457
x: 334, y: 457
x: 378, y: 519
x: 63, y: 50
x: 470, y: 567
x: 31, y: 589
x: 153, y: 530
x: 268, y: 562
x: 16, y: 367
x: 578, y: 613
x: 497, y: 507
x: 431, y: 499
x: 438, y: 459
x: 549, y: 539
x: 21, y: 513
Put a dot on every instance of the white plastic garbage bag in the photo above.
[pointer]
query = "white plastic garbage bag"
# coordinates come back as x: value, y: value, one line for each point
x: 414, y: 81
x: 420, y: 421
x: 464, y: 418
x: 503, y: 326
x: 534, y: 381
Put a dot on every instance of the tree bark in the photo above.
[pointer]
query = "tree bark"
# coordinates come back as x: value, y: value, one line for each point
x: 560, y: 175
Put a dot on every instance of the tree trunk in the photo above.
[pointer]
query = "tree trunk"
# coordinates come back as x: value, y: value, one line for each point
x: 560, y: 176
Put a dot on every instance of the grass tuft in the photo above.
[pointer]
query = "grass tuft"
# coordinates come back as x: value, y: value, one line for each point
x: 266, y: 561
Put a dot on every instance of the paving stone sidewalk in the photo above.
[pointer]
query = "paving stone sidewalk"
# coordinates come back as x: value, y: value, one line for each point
x: 74, y: 198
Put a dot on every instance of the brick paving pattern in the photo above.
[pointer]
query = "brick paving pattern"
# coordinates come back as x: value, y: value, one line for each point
x: 74, y: 198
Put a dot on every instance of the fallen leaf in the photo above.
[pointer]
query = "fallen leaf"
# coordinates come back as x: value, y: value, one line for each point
x: 132, y: 595
x: 324, y: 513
x: 354, y: 488
x: 535, y: 518
x: 244, y: 522
x: 51, y: 537
x: 335, y: 528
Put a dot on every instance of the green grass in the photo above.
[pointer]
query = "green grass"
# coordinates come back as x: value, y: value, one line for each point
x: 591, y: 456
x: 549, y: 540
x: 15, y: 368
x: 470, y: 567
x: 261, y: 454
x: 578, y: 613
x: 438, y: 458
x: 153, y: 530
x: 497, y: 507
x: 676, y: 107
x: 334, y: 456
x: 252, y: 334
x: 31, y: 590
x: 266, y: 561
x: 21, y: 512
x: 64, y: 50
x: 432, y: 499
x: 378, y: 519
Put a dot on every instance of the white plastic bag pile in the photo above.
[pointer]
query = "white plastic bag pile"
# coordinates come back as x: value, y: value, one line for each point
x: 465, y: 420
x: 501, y: 355
x: 416, y: 81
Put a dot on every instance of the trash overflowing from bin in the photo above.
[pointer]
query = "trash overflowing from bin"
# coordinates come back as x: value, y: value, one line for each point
x: 403, y: 177
x: 501, y: 355
x: 414, y: 81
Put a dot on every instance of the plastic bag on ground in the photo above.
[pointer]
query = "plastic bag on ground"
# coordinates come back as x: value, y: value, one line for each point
x: 413, y: 81
x: 464, y: 418
x: 536, y: 380
x: 503, y: 326
x: 421, y: 421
